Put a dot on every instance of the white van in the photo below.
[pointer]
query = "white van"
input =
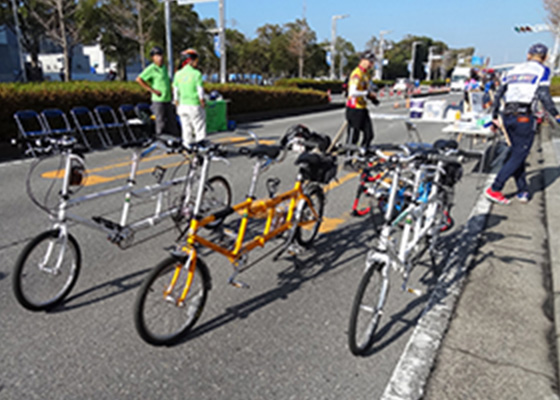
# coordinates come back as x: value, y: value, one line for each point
x: 459, y: 77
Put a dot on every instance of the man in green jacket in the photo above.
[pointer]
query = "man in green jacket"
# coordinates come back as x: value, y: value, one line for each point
x: 155, y: 79
x: 189, y: 94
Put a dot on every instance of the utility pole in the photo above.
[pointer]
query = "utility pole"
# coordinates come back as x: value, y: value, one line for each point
x: 413, y: 58
x: 333, y: 40
x: 222, y: 42
x: 381, y: 55
x: 430, y: 57
x: 168, y: 40
x: 20, y: 46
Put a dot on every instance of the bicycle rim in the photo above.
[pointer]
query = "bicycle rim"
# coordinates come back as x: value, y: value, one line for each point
x: 158, y: 317
x: 367, y: 309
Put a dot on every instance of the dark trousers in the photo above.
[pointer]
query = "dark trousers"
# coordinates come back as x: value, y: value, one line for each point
x: 166, y: 120
x: 521, y: 131
x: 358, y: 120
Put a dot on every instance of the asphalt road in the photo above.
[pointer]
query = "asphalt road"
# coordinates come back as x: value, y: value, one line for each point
x: 285, y: 337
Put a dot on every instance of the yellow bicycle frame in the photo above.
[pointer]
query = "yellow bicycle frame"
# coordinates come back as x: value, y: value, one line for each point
x: 249, y: 209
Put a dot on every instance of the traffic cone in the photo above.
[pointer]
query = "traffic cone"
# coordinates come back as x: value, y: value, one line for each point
x: 329, y: 94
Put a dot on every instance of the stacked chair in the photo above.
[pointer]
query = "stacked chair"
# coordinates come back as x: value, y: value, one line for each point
x: 100, y: 128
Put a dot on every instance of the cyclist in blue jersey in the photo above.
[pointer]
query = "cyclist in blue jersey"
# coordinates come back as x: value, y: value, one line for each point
x: 521, y: 88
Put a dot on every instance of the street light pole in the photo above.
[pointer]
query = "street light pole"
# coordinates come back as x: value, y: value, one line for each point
x: 222, y: 42
x: 168, y: 41
x: 333, y: 40
x: 379, y: 72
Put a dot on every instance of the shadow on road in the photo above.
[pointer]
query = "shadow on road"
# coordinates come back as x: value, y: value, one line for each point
x: 327, y: 254
x: 102, y: 292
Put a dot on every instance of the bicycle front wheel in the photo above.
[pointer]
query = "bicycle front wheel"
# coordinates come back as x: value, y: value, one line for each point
x: 367, y: 309
x: 159, y: 316
x: 309, y: 224
x: 46, y: 270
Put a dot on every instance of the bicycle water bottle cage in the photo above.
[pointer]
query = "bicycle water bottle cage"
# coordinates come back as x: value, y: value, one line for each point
x: 272, y: 186
x: 159, y: 173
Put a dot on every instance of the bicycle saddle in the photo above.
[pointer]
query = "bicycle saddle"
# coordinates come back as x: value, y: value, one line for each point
x: 265, y: 151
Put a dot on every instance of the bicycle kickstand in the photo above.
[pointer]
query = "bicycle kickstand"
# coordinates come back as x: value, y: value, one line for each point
x: 237, y: 283
x: 406, y: 288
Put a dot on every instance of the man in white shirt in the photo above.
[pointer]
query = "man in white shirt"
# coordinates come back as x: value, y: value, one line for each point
x: 521, y: 89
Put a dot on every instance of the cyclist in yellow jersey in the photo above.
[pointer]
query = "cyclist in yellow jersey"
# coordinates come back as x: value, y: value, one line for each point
x: 357, y: 114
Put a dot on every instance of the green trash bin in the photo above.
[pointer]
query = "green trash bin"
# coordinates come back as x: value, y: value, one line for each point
x: 216, y: 116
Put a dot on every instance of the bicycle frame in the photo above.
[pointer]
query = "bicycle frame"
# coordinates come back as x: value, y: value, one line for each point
x: 249, y: 209
x: 123, y: 230
x: 419, y: 215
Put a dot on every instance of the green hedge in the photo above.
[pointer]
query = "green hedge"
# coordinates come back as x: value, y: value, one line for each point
x: 434, y: 83
x: 333, y: 86
x: 39, y: 96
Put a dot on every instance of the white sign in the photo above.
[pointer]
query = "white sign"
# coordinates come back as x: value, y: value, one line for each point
x: 434, y: 109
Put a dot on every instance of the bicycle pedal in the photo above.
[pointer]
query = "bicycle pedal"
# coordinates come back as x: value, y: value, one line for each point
x: 416, y: 292
x: 294, y: 250
x: 238, y: 284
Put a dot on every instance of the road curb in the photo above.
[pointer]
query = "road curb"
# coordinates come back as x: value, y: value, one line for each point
x: 552, y: 213
x: 411, y: 374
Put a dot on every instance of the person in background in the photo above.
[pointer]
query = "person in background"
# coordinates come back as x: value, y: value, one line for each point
x: 189, y: 96
x: 357, y: 113
x: 155, y: 79
x: 522, y: 88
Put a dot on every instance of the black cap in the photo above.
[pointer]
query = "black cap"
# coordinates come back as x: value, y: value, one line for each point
x: 156, y: 50
x: 538, y: 49
x: 368, y: 55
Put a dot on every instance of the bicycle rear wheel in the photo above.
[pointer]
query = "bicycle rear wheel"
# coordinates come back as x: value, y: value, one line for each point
x: 158, y: 318
x: 217, y: 196
x: 309, y: 224
x: 46, y: 270
x: 367, y: 308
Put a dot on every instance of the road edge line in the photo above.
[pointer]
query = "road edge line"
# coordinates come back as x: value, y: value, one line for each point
x: 411, y: 374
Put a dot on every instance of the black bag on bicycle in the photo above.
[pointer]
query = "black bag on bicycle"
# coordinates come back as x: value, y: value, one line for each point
x: 317, y: 167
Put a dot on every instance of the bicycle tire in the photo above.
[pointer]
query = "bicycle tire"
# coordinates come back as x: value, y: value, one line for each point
x: 24, y: 296
x: 361, y: 339
x: 216, y: 205
x: 312, y: 190
x: 143, y: 326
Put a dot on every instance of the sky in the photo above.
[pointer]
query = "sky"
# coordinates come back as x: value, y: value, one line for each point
x: 486, y: 25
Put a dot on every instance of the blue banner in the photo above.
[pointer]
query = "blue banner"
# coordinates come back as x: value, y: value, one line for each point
x: 328, y: 59
x: 217, y: 45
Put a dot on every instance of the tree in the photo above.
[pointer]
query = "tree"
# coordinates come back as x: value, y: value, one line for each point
x: 63, y: 22
x: 187, y: 29
x: 401, y: 53
x: 552, y: 8
x: 133, y: 19
x: 300, y: 36
x: 31, y: 29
